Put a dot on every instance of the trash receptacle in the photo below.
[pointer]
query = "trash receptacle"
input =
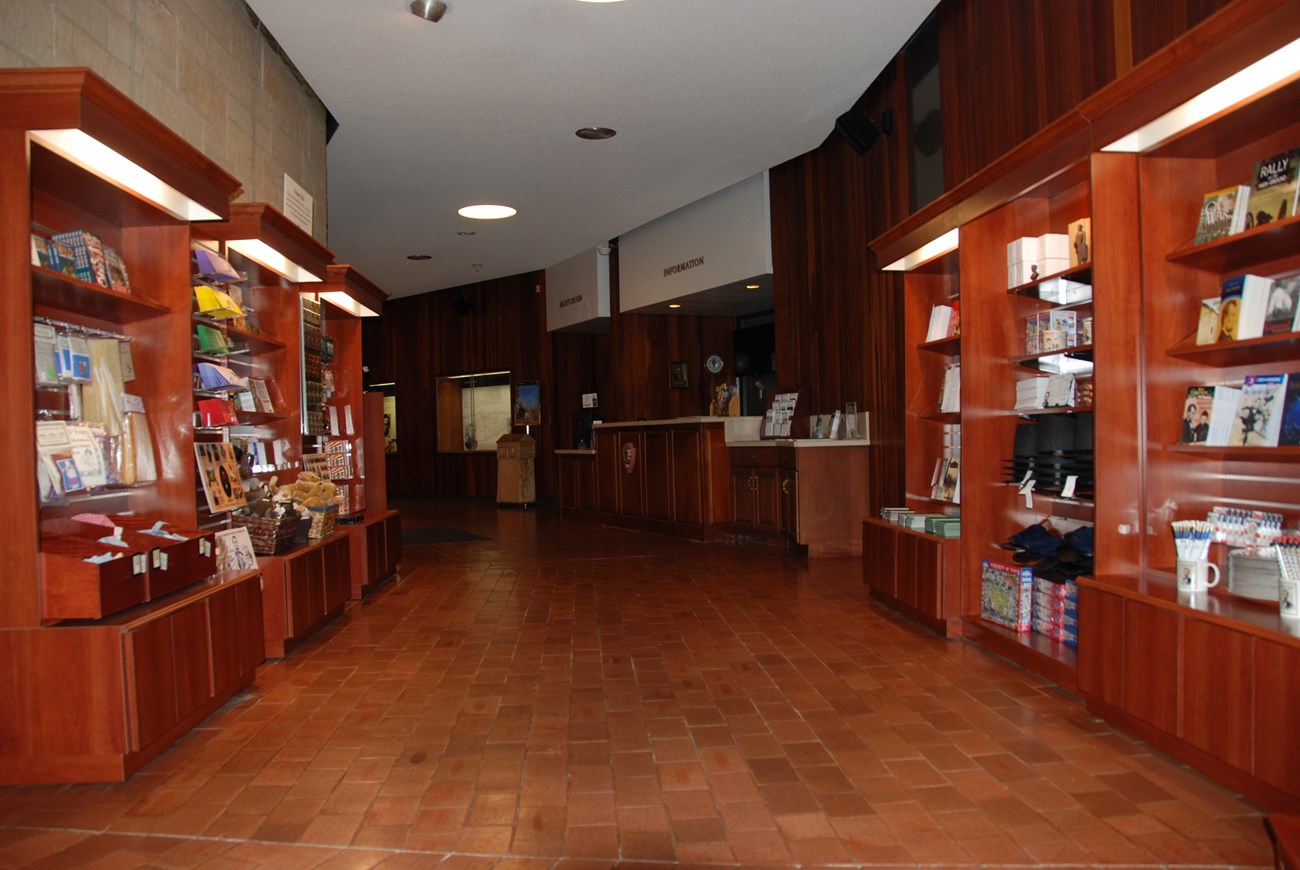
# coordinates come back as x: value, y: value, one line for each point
x: 516, y: 455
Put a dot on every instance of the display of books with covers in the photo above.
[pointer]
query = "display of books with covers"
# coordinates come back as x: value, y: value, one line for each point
x: 1223, y: 213
x: 950, y: 390
x: 1006, y: 594
x: 1273, y: 195
x: 1258, y: 421
x: 1243, y: 303
x: 115, y: 270
x: 1283, y: 305
x: 1290, y: 433
x: 1198, y: 410
x: 214, y: 377
x: 210, y: 340
x: 215, y: 302
x: 86, y: 252
x: 1207, y: 323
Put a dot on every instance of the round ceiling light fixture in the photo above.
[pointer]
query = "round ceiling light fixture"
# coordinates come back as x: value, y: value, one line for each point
x: 419, y: 256
x: 429, y: 10
x: 674, y: 305
x: 486, y: 212
x: 466, y: 233
x: 751, y: 286
x: 595, y: 134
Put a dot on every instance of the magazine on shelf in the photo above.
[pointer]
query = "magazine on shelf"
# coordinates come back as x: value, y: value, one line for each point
x: 1223, y: 213
x: 1273, y: 196
x: 1258, y: 421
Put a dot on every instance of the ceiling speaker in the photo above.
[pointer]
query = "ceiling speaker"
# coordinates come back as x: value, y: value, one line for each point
x: 462, y: 305
x: 860, y: 131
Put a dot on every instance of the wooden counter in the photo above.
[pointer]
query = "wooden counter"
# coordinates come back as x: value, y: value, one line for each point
x: 665, y: 476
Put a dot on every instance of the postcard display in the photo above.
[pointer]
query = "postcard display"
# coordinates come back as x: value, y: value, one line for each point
x: 119, y: 614
x: 1223, y: 696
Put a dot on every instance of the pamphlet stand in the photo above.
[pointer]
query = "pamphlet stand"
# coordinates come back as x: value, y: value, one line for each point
x: 786, y: 417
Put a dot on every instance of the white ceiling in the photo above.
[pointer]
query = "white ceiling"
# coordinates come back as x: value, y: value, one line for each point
x: 482, y: 107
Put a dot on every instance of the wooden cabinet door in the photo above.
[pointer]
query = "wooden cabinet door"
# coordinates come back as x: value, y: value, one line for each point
x: 392, y: 545
x: 302, y: 587
x: 927, y: 575
x: 688, y: 476
x: 878, y: 557
x: 227, y: 638
x: 767, y: 500
x: 1101, y: 647
x: 151, y: 663
x: 657, y: 460
x: 788, y: 522
x: 1151, y: 663
x: 252, y: 646
x: 1277, y: 715
x: 742, y: 496
x: 337, y: 569
x: 191, y: 644
x: 1218, y: 677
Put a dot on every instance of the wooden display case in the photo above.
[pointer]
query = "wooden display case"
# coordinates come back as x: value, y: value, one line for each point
x: 1200, y: 677
x: 144, y: 675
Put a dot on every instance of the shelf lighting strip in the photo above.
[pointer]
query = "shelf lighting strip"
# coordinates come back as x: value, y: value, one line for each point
x: 1261, y: 75
x: 342, y: 300
x: 97, y: 158
x: 927, y: 252
x: 260, y: 252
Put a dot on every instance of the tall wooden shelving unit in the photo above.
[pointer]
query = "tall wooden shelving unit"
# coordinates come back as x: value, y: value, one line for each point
x: 376, y: 531
x: 1209, y: 679
x: 138, y: 678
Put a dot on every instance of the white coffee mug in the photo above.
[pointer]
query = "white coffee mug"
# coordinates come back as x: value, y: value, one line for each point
x: 1194, y: 575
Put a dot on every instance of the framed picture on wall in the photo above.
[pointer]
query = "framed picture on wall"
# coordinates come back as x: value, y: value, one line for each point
x: 528, y: 404
x: 678, y: 378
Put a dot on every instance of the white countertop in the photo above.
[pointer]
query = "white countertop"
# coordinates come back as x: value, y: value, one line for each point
x: 803, y: 442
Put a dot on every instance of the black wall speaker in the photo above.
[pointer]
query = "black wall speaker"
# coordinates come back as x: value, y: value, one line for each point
x: 860, y: 131
x: 462, y: 305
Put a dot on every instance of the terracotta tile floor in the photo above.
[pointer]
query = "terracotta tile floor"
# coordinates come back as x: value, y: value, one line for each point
x: 562, y: 695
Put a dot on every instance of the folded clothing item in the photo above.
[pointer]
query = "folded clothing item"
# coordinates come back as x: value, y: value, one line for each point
x: 1035, y: 541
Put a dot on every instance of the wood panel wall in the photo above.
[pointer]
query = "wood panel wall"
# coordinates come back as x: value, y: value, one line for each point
x: 1008, y: 68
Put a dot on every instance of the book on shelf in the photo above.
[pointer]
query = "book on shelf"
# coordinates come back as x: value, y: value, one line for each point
x: 1061, y: 391
x: 115, y: 270
x: 1223, y: 213
x: 947, y: 487
x: 942, y: 323
x: 950, y: 389
x: 1258, y: 421
x: 1031, y: 393
x: 1283, y: 305
x: 87, y: 255
x: 1243, y: 305
x: 262, y: 395
x: 1207, y: 323
x: 216, y: 412
x: 1273, y: 195
x: 1208, y: 415
x: 215, y: 377
x: 1289, y: 436
x: 215, y: 302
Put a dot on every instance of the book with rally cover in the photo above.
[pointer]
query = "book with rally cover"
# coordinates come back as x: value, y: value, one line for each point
x: 1258, y: 421
x: 1273, y: 195
x: 1223, y: 213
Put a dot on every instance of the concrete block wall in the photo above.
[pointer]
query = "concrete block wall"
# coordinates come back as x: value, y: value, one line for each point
x: 205, y: 68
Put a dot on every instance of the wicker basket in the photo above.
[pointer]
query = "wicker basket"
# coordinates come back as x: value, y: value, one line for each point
x: 322, y: 520
x: 270, y: 535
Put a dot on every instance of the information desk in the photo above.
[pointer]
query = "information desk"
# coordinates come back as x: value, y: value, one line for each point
x: 665, y: 476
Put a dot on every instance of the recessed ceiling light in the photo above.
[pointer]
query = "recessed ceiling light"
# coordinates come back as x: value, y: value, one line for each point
x: 429, y: 10
x: 486, y: 212
x: 466, y: 233
x: 751, y: 286
x: 595, y: 134
x: 600, y: 1
x: 419, y: 256
x: 670, y: 304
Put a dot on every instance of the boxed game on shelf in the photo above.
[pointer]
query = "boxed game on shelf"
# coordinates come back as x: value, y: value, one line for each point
x: 1006, y: 594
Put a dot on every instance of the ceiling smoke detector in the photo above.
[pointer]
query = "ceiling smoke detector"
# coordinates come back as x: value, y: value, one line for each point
x: 429, y: 10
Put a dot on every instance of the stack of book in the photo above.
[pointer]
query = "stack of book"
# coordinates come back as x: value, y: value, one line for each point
x: 1263, y: 412
x: 943, y: 526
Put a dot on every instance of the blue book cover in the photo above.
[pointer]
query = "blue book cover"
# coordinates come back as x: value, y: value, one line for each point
x: 1290, y: 435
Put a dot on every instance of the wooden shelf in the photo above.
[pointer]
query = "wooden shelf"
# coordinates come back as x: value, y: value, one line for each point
x: 1029, y: 649
x: 1253, y: 454
x: 1042, y: 361
x: 950, y: 346
x: 1043, y: 412
x: 1277, y: 348
x: 942, y: 416
x: 257, y: 342
x: 1243, y: 250
x: 54, y: 292
x: 1081, y: 274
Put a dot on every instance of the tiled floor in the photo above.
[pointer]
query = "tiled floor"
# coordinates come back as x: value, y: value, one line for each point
x: 561, y: 695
